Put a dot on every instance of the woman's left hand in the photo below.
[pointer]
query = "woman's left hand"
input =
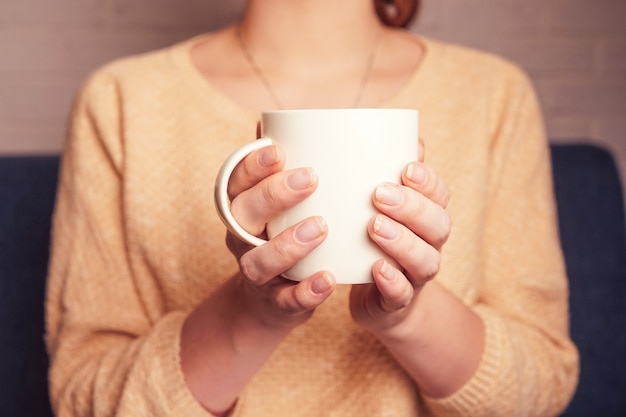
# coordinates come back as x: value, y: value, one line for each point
x: 412, y: 227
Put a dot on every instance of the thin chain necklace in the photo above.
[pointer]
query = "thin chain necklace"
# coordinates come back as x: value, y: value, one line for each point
x: 268, y: 86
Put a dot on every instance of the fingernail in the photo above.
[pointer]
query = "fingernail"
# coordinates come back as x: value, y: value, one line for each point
x: 416, y: 173
x: 321, y: 284
x: 268, y: 156
x: 387, y: 271
x: 300, y: 179
x: 310, y: 230
x: 389, y: 194
x: 385, y: 228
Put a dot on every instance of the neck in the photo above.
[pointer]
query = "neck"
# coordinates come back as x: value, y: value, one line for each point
x: 306, y: 30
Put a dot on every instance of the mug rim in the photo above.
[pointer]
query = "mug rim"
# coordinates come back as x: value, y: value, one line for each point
x: 341, y: 109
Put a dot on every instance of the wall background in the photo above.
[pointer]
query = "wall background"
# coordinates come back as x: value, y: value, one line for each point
x: 575, y: 51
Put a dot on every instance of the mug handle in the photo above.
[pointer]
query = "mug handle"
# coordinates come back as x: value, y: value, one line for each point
x: 222, y: 202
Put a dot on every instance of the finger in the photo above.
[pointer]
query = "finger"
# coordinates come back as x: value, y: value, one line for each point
x: 421, y: 150
x: 235, y: 245
x: 254, y: 167
x: 421, y: 215
x: 423, y: 179
x: 260, y: 264
x: 306, y: 295
x: 396, y: 292
x: 419, y: 259
x: 254, y: 207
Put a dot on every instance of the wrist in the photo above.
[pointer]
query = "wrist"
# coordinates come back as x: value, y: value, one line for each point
x: 439, y: 344
x: 217, y: 372
x: 405, y: 325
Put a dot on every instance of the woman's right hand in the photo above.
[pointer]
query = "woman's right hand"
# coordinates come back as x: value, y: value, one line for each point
x: 259, y: 190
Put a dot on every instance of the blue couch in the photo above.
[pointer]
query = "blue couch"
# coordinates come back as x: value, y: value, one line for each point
x: 591, y: 216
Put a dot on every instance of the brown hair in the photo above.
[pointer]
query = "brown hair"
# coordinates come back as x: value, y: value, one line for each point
x: 396, y: 13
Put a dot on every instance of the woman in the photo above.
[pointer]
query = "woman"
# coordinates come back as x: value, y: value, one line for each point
x: 149, y: 314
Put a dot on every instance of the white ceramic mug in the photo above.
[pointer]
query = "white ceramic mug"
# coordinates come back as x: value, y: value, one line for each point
x: 352, y: 151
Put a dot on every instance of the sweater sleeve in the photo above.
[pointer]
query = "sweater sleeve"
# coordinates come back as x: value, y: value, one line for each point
x: 108, y: 355
x: 529, y: 365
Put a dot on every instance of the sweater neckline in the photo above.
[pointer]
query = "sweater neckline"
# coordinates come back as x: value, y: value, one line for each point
x: 206, y: 91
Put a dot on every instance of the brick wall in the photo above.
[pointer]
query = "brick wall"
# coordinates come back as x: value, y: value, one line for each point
x: 48, y: 47
x: 575, y: 50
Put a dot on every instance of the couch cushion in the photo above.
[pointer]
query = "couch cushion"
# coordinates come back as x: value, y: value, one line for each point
x: 591, y: 220
x: 27, y: 188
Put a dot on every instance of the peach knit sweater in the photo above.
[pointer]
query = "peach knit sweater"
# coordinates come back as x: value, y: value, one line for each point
x: 137, y: 244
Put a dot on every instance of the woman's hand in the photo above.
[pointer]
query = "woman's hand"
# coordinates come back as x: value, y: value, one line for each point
x: 436, y: 338
x: 412, y: 227
x: 254, y: 311
x: 260, y: 190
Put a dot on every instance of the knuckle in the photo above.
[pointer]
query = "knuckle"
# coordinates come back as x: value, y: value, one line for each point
x: 283, y: 308
x: 269, y: 195
x: 387, y: 305
x: 445, y: 199
x: 445, y: 229
x: 301, y: 301
x: 432, y: 264
x: 250, y: 269
x: 295, y: 305
x: 249, y: 167
x: 447, y: 224
x: 426, y: 266
x: 414, y: 246
x: 283, y: 250
x: 398, y: 303
x: 407, y: 296
x: 420, y: 205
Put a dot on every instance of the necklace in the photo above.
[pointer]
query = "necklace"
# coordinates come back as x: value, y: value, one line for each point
x: 268, y: 86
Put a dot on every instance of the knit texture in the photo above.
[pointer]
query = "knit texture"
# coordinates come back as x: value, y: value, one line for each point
x: 137, y: 244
